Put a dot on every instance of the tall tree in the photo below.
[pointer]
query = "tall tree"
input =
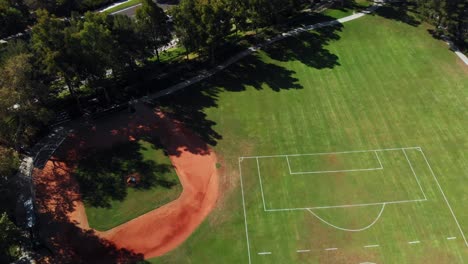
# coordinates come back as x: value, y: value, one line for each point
x: 203, y: 24
x: 93, y: 48
x: 14, y: 17
x: 21, y: 102
x: 187, y: 25
x: 130, y: 45
x: 152, y: 22
x: 56, y: 50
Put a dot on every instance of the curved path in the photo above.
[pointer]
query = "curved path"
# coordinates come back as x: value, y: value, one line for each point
x: 163, y: 229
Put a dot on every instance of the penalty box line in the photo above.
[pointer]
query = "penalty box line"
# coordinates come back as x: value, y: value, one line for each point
x: 334, y: 171
x: 324, y: 153
x: 347, y: 205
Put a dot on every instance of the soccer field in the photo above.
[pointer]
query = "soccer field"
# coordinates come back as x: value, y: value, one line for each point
x: 343, y: 145
x: 301, y: 204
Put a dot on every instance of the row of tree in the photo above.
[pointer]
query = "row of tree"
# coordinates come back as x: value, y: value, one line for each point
x: 205, y: 24
x: 450, y: 17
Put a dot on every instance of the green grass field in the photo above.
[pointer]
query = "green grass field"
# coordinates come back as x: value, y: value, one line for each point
x: 159, y: 185
x: 375, y: 83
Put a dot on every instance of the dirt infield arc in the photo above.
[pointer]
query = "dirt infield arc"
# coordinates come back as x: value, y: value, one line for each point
x: 153, y: 233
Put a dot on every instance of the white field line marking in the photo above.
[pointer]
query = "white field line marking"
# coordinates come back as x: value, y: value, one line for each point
x: 351, y: 230
x: 289, y: 165
x: 334, y: 171
x: 414, y: 242
x: 446, y: 200
x: 325, y: 153
x: 451, y: 238
x: 331, y: 248
x: 261, y: 186
x: 378, y: 158
x: 245, y: 213
x: 303, y: 250
x: 264, y: 253
x: 344, y: 206
x: 371, y: 246
x: 414, y: 173
x: 314, y: 172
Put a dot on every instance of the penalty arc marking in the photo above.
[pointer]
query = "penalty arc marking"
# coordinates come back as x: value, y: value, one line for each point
x: 350, y: 230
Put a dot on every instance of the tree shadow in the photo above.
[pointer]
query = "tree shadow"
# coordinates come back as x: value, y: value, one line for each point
x: 399, y: 12
x: 308, y: 48
x: 188, y: 107
x: 59, y: 240
x: 104, y: 175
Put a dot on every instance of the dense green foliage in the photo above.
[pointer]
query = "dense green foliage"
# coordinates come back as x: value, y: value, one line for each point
x: 205, y: 25
x: 152, y: 24
x: 9, y: 239
x: 450, y: 17
x: 14, y: 17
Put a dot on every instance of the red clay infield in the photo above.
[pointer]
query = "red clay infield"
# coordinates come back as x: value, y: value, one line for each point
x: 62, y: 216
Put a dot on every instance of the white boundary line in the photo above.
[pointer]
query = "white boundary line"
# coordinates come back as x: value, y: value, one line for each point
x: 378, y: 158
x: 289, y: 165
x: 350, y: 230
x: 245, y: 212
x: 414, y: 173
x: 325, y: 153
x: 414, y: 242
x: 317, y: 172
x: 371, y: 246
x: 302, y: 250
x: 261, y: 186
x: 345, y: 206
x: 446, y: 200
x: 451, y: 238
x: 264, y: 253
x: 328, y: 249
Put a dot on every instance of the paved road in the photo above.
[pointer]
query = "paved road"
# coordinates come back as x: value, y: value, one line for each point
x: 131, y: 11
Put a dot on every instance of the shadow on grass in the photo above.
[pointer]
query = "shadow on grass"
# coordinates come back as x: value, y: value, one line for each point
x: 308, y: 48
x: 104, y: 174
x: 189, y: 105
x: 58, y: 239
x: 400, y: 12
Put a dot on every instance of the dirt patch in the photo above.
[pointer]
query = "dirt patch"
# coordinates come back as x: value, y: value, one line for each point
x: 150, y: 235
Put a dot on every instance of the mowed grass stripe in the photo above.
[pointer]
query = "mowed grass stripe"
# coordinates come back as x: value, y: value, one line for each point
x: 395, y: 86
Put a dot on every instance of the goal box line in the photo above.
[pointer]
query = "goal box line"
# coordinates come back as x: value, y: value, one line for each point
x: 334, y: 171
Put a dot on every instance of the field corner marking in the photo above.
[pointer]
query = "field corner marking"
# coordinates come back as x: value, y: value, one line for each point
x: 445, y: 198
x: 245, y: 212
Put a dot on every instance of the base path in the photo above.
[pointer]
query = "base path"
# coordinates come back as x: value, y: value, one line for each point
x: 163, y: 229
x: 62, y: 217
